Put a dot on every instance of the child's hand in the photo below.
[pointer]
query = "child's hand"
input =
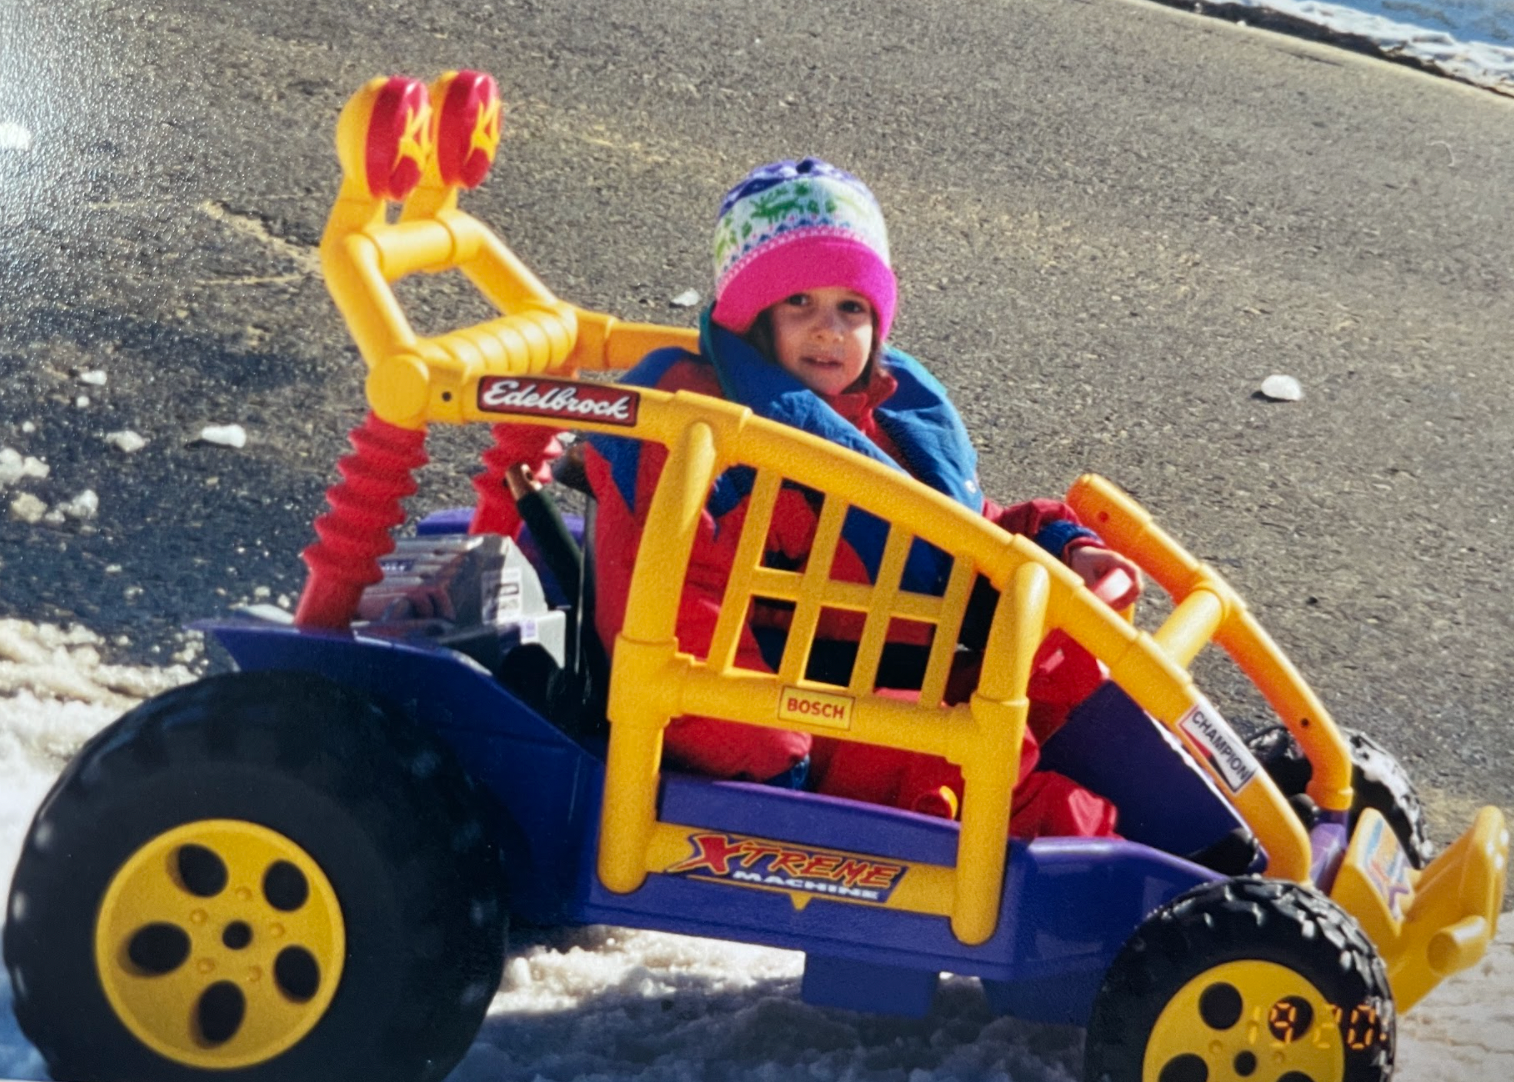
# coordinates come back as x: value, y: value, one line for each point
x: 1092, y: 563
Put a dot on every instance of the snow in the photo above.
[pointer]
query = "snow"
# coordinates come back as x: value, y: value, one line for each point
x: 84, y: 506
x: 14, y: 467
x: 126, y: 441
x: 1469, y: 40
x: 1282, y: 389
x: 224, y: 435
x: 611, y: 1003
x: 14, y: 137
x: 28, y: 508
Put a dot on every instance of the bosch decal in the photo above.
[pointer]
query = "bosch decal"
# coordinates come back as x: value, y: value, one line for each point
x: 815, y: 707
x: 558, y: 398
x: 751, y: 861
x: 1212, y: 739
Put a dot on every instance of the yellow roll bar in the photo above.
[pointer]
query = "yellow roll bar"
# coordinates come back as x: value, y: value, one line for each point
x: 414, y: 379
x: 1207, y: 608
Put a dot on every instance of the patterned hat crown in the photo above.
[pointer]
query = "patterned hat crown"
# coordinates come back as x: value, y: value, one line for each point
x: 793, y: 226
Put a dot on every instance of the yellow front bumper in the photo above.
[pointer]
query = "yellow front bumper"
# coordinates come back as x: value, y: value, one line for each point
x: 1426, y: 924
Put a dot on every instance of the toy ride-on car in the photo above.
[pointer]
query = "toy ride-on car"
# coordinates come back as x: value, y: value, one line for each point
x: 305, y: 869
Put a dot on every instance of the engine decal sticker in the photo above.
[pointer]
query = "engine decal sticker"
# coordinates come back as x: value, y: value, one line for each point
x: 1387, y: 867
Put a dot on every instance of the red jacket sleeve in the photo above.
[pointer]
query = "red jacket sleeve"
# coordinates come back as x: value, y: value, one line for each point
x: 1033, y: 517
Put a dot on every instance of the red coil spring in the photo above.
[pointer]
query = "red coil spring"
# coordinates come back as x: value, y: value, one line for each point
x: 495, y: 511
x: 365, y: 506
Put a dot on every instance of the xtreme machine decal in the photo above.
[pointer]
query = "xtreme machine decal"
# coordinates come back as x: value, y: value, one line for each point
x: 744, y: 861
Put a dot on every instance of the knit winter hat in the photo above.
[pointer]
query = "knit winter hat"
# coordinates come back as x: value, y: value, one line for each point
x: 796, y: 226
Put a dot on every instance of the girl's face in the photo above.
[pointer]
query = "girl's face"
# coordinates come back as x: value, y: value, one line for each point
x: 823, y: 337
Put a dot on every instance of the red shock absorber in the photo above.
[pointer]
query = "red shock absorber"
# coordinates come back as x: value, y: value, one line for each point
x: 365, y: 506
x: 495, y: 511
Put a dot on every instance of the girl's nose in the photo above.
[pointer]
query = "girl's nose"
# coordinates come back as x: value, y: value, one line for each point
x: 828, y: 324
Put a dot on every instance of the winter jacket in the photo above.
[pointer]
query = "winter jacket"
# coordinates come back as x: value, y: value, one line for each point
x: 902, y: 418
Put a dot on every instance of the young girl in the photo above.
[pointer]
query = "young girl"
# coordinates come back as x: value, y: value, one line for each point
x: 804, y: 298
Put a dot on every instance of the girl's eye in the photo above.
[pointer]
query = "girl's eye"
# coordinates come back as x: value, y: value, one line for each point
x: 797, y: 300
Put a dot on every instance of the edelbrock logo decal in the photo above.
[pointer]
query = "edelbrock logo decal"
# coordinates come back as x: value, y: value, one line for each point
x: 753, y: 862
x: 558, y: 398
x: 1211, y: 737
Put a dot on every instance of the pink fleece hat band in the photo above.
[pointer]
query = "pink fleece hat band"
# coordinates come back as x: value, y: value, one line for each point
x: 800, y: 262
x: 789, y: 227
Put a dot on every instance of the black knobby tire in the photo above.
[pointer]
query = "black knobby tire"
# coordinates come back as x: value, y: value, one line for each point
x: 1245, y: 926
x: 1378, y: 781
x: 391, y: 824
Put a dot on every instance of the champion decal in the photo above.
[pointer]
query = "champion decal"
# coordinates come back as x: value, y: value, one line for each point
x: 1211, y: 738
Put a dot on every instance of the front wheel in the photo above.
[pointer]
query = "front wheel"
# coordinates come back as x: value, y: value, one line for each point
x: 1246, y: 978
x: 257, y: 877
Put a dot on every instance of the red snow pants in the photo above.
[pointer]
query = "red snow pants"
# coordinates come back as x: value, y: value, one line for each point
x: 1044, y: 803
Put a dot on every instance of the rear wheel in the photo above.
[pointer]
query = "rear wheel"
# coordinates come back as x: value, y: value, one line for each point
x: 1378, y: 781
x: 259, y: 876
x: 1245, y: 978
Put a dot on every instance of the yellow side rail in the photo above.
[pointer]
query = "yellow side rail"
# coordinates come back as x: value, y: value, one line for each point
x: 1426, y: 924
x: 1208, y: 608
x: 653, y: 681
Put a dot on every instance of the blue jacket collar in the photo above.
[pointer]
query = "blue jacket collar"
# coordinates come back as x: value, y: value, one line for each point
x: 918, y: 416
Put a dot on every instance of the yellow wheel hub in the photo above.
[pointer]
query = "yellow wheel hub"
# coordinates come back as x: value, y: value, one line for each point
x: 220, y: 943
x: 1252, y: 1021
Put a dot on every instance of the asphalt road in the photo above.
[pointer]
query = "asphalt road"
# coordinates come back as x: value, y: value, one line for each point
x: 1112, y: 221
